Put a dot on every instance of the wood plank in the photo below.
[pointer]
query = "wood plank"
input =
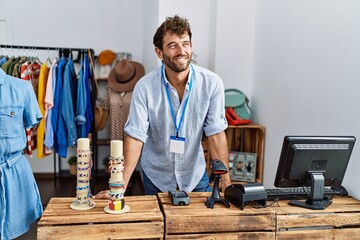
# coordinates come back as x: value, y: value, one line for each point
x: 340, y: 204
x: 323, y: 234
x: 317, y: 220
x: 144, y: 220
x: 219, y: 223
x: 227, y: 236
x: 197, y: 218
x: 64, y: 208
x: 102, y: 231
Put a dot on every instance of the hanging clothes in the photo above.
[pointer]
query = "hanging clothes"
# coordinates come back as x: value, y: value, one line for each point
x: 60, y: 139
x: 49, y: 103
x: 67, y: 106
x: 30, y: 71
x: 20, y: 203
x: 87, y: 79
x: 44, y: 71
x: 119, y: 107
x: 81, y: 103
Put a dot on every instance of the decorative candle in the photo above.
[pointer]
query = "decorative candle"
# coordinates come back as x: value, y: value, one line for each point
x: 83, y: 197
x: 116, y: 202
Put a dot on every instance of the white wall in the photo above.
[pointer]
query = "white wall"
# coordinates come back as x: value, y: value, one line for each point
x: 235, y: 43
x: 296, y: 60
x: 306, y: 74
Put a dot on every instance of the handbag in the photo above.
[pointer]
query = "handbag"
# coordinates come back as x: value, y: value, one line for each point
x: 237, y: 100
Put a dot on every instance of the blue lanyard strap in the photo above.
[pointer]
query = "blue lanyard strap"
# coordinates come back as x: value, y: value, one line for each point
x: 177, y: 127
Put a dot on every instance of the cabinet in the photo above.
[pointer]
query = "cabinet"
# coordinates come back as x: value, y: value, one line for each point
x: 243, y: 138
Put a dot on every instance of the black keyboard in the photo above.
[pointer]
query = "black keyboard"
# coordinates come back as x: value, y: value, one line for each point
x: 301, y: 193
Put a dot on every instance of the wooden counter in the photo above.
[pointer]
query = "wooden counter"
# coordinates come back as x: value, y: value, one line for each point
x: 196, y: 221
x: 144, y: 220
x: 340, y: 221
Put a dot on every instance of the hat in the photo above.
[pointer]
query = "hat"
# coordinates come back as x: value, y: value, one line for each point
x: 106, y: 57
x: 124, y: 75
x: 101, y: 116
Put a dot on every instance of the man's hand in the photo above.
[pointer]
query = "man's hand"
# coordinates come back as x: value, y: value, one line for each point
x: 102, y: 195
x: 225, y: 182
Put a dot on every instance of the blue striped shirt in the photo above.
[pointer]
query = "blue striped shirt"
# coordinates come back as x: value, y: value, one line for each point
x: 150, y: 121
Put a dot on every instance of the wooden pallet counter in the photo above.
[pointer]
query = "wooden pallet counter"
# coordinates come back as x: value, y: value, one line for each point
x: 144, y: 220
x: 196, y: 221
x: 340, y: 221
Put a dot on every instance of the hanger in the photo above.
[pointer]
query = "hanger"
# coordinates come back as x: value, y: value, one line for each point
x: 48, y: 60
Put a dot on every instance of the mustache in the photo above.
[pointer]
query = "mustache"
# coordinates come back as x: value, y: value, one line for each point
x: 181, y: 55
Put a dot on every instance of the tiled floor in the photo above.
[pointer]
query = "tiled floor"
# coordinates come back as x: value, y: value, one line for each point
x: 66, y: 187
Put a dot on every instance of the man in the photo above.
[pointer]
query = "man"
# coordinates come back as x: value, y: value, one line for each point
x: 171, y: 108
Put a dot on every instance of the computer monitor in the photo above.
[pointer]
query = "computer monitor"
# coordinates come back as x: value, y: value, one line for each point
x: 315, y: 161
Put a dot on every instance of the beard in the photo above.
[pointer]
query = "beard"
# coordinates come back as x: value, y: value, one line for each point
x: 177, y: 67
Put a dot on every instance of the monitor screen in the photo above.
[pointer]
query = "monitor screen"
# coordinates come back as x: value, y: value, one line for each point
x: 314, y: 161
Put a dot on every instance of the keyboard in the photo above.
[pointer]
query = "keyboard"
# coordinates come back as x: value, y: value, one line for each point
x: 301, y: 193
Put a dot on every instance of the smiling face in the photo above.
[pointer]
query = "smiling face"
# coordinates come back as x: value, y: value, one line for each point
x: 176, y: 52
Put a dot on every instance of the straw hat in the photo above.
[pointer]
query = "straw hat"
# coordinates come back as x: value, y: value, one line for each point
x: 124, y: 75
x: 101, y: 116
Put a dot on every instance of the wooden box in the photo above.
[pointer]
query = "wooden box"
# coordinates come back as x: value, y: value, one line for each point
x: 340, y: 221
x: 243, y: 138
x: 196, y: 221
x: 144, y: 220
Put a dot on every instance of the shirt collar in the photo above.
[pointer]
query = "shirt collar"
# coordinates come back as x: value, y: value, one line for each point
x: 189, y: 76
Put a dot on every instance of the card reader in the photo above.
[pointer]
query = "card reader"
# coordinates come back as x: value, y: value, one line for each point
x: 179, y: 198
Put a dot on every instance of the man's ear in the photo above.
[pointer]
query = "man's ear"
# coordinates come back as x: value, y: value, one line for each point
x: 159, y: 53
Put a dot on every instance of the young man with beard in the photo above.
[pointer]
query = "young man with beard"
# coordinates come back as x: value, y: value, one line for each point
x: 171, y: 108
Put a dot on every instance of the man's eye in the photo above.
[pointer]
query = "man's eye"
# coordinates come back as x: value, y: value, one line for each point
x: 172, y: 46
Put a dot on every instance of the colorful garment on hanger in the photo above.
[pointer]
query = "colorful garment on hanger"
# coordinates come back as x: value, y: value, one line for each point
x: 31, y: 72
x: 60, y: 139
x: 80, y: 118
x: 49, y: 103
x: 89, y: 107
x: 44, y: 71
x: 67, y: 106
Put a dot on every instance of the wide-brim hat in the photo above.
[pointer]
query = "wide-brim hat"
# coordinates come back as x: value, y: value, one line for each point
x: 124, y: 75
x: 100, y: 116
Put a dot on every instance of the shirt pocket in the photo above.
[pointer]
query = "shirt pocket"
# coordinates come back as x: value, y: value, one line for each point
x: 11, y: 124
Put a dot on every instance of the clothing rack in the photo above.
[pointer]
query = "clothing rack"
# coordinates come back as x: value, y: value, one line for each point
x: 65, y: 51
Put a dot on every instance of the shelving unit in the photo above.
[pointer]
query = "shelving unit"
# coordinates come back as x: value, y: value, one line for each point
x: 243, y: 138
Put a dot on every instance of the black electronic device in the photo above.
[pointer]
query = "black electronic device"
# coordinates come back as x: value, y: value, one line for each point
x: 179, y: 198
x: 314, y: 161
x: 240, y: 194
x: 217, y: 169
x: 291, y: 193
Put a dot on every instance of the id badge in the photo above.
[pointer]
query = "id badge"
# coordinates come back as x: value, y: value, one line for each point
x: 177, y: 145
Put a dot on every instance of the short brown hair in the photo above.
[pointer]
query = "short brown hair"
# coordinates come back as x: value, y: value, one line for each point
x: 173, y: 25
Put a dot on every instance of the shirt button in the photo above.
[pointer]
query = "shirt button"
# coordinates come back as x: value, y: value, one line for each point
x: 12, y: 113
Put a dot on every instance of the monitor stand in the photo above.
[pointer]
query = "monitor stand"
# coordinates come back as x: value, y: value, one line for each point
x: 317, y: 201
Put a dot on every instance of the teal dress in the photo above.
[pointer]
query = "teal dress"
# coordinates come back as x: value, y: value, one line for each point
x: 20, y: 203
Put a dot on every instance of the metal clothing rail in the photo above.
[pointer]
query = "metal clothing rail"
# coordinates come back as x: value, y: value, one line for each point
x: 64, y: 51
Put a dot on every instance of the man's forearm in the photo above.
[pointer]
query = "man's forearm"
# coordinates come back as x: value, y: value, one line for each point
x: 132, y: 151
x: 219, y: 150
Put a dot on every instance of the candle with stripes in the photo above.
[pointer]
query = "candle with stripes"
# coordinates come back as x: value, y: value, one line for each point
x: 83, y: 172
x: 116, y: 202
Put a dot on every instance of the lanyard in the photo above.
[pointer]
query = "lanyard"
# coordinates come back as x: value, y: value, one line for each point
x: 177, y: 127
